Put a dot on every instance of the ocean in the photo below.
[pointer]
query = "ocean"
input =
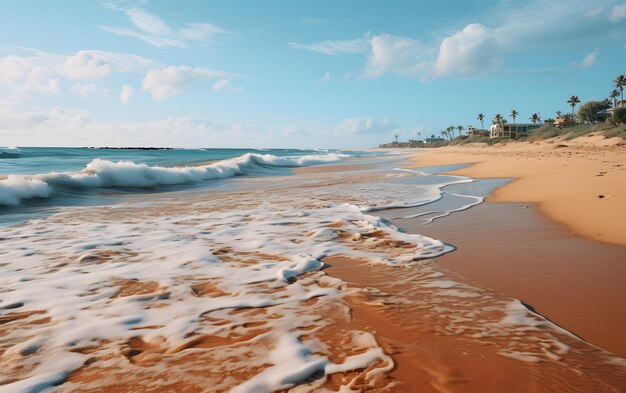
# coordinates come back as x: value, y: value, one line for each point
x: 212, y: 270
x: 35, y: 179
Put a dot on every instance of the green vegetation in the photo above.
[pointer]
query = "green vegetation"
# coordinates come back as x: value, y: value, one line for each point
x: 593, y: 111
x: 607, y: 117
x: 547, y: 131
x: 620, y: 82
x: 573, y: 100
x: 619, y: 115
x: 535, y: 118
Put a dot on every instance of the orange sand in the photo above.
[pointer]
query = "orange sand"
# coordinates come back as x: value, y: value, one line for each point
x: 579, y: 183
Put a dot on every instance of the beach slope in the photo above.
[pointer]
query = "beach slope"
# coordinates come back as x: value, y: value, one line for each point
x: 579, y: 183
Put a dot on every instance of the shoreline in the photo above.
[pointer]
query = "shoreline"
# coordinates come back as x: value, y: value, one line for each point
x: 581, y: 185
x: 544, y: 267
x: 543, y: 257
x: 284, y: 275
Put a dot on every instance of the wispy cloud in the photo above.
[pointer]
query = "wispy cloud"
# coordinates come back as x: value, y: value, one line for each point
x: 618, y: 13
x: 155, y: 31
x: 126, y: 93
x: 368, y: 125
x: 29, y: 71
x: 226, y: 86
x: 590, y: 59
x: 335, y: 47
x: 479, y: 48
x: 169, y: 81
x: 594, y: 12
x: 87, y: 90
x: 61, y: 126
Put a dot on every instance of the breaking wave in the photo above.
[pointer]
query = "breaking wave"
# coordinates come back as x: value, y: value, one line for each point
x: 103, y: 173
x: 10, y: 152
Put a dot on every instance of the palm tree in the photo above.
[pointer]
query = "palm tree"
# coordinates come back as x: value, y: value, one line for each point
x: 613, y: 97
x: 443, y: 134
x: 396, y: 138
x: 559, y: 113
x: 620, y: 82
x: 480, y: 118
x: 451, y: 130
x: 514, y: 114
x: 460, y: 128
x: 498, y: 118
x: 535, y: 118
x: 573, y: 100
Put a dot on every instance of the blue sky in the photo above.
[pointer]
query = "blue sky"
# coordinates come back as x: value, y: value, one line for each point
x: 293, y: 74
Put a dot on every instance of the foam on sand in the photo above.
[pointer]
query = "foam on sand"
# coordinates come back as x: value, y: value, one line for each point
x: 134, y: 293
x: 134, y: 274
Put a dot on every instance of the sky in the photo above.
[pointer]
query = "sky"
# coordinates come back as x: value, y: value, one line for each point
x: 293, y: 74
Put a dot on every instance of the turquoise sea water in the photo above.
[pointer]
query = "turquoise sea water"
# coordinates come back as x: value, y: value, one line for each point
x: 38, y: 160
x: 34, y: 180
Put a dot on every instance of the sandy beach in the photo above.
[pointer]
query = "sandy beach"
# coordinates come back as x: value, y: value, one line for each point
x: 560, y: 266
x: 579, y: 183
x: 298, y: 282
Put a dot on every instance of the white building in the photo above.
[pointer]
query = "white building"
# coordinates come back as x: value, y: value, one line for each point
x: 506, y: 130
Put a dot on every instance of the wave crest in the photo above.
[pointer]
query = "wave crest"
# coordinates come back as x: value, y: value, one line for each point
x: 10, y: 152
x: 104, y: 173
x: 15, y: 188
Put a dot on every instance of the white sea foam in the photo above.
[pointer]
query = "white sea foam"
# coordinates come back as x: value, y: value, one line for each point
x: 51, y: 268
x: 103, y: 173
x: 258, y: 252
x: 14, y: 189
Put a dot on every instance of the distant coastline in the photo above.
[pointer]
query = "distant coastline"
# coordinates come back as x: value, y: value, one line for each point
x: 129, y: 148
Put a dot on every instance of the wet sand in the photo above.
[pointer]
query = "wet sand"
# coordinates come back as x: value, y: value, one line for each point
x: 423, y: 328
x: 575, y: 282
x: 579, y: 183
x: 564, y: 269
x: 428, y: 359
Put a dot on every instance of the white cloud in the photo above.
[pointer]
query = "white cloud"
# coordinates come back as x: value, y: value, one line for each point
x: 618, y: 13
x: 147, y: 22
x: 166, y: 82
x: 152, y: 40
x: 85, y: 66
x: 480, y: 48
x: 226, y: 86
x: 69, y: 127
x: 472, y: 51
x: 155, y: 31
x: 368, y: 125
x: 28, y: 74
x: 125, y: 94
x: 87, y: 90
x: 326, y: 77
x: 594, y: 12
x: 96, y: 64
x: 42, y: 72
x: 335, y: 47
x: 590, y: 59
x: 400, y: 55
x: 35, y: 71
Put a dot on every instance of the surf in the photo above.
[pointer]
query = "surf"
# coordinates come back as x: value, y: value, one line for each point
x: 102, y: 173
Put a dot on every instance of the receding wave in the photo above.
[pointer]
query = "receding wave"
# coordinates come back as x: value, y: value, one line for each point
x: 103, y: 173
